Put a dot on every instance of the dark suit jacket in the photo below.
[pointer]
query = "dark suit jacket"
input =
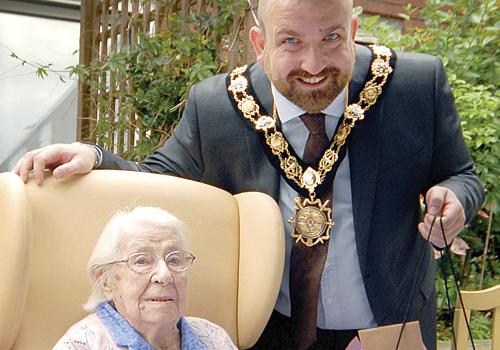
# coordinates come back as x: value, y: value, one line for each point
x: 409, y: 141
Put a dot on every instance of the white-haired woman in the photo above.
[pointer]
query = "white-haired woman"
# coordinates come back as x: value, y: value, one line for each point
x: 138, y: 273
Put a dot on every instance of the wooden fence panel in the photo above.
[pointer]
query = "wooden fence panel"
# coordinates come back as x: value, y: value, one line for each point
x: 111, y: 26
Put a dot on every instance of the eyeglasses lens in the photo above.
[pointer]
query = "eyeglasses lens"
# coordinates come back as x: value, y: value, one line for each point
x: 142, y: 262
x: 179, y: 261
x: 176, y: 261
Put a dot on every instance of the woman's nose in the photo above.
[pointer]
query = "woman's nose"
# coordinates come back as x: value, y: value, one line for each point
x: 162, y: 274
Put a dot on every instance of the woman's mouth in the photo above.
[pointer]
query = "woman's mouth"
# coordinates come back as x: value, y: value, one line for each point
x: 158, y: 299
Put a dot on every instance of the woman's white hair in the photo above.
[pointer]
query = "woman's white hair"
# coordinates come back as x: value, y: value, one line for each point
x: 153, y: 222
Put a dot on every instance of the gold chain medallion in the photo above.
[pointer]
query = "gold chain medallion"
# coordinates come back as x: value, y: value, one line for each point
x: 312, y: 220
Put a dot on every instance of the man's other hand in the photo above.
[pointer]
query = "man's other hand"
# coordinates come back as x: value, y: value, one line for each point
x: 442, y: 204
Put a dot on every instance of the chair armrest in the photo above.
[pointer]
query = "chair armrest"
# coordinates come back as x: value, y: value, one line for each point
x: 15, y: 247
x: 262, y: 254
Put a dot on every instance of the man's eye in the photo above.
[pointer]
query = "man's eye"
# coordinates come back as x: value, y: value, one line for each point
x: 291, y: 40
x: 332, y: 37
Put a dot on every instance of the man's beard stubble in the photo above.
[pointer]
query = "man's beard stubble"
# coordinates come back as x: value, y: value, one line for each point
x: 317, y: 100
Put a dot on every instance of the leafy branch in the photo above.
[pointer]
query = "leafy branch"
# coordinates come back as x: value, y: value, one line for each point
x: 43, y: 70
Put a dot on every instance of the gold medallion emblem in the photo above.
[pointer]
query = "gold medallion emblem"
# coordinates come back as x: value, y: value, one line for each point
x: 311, y: 221
x: 371, y: 93
x: 265, y: 122
x: 248, y: 105
x: 291, y: 167
x: 329, y: 159
x: 239, y: 84
x: 354, y: 112
x: 310, y: 179
x: 381, y: 67
x: 277, y: 143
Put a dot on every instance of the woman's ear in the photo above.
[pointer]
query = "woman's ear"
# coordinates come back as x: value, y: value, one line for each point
x: 107, y: 290
x: 258, y: 40
x: 105, y: 285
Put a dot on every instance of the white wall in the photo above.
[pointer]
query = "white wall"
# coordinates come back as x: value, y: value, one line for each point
x: 29, y: 105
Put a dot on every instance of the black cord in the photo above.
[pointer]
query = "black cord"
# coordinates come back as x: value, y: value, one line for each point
x: 445, y: 278
x: 448, y: 300
x: 412, y: 292
x: 455, y: 278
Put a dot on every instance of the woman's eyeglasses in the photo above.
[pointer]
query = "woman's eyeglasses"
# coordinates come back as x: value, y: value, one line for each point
x: 177, y: 261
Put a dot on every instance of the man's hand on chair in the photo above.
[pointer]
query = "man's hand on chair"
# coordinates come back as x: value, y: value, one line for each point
x: 63, y: 159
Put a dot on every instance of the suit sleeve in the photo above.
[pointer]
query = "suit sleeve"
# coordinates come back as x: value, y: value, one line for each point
x: 452, y: 166
x: 180, y: 156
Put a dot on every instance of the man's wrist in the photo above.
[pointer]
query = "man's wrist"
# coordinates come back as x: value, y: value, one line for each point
x: 98, y: 156
x: 97, y: 153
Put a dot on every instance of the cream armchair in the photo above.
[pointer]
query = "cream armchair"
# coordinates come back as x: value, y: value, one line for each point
x: 48, y: 232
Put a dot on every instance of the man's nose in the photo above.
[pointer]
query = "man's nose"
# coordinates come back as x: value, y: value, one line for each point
x: 313, y: 61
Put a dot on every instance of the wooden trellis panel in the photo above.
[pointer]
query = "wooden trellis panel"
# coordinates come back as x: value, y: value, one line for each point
x: 110, y: 26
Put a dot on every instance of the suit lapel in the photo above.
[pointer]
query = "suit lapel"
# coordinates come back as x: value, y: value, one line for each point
x: 265, y: 176
x: 262, y: 88
x: 363, y: 157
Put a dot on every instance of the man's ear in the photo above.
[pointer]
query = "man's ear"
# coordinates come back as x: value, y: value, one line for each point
x: 258, y: 40
x: 354, y: 27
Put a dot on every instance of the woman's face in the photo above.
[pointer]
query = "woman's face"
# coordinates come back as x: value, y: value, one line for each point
x: 154, y: 298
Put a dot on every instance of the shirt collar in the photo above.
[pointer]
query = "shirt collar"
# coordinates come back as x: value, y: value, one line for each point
x: 190, y: 340
x: 287, y: 110
x: 124, y: 335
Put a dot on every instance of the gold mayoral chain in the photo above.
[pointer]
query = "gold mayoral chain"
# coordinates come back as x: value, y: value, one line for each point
x: 312, y: 219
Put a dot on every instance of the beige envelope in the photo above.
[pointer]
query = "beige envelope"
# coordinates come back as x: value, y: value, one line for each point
x: 386, y: 337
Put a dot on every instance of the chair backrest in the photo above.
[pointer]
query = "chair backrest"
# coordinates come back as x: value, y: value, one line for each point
x: 47, y: 234
x: 480, y: 300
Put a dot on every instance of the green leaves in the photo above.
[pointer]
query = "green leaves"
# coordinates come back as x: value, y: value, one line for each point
x: 41, y: 72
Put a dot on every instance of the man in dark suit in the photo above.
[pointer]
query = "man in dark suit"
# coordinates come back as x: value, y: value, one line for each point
x: 406, y: 143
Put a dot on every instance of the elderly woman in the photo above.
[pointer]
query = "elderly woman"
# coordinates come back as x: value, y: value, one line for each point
x: 138, y: 273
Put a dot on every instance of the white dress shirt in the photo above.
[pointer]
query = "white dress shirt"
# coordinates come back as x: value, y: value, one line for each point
x: 342, y: 303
